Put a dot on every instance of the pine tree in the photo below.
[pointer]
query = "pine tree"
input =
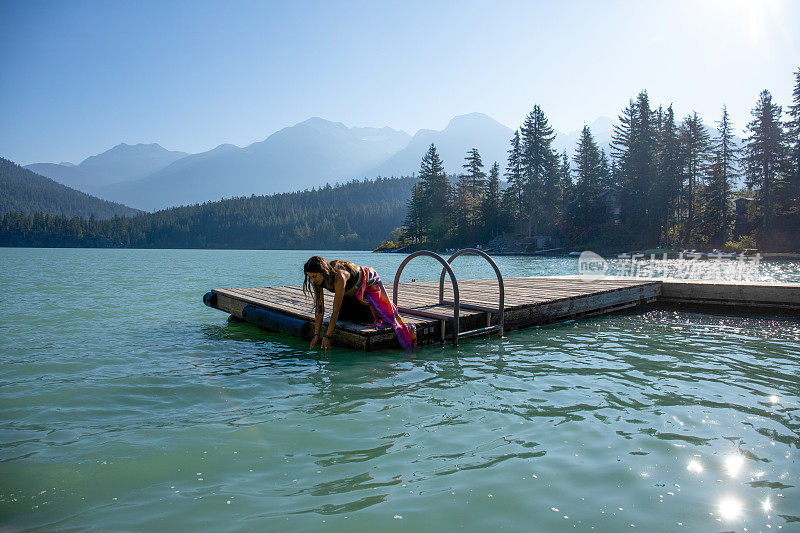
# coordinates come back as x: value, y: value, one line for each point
x: 539, y: 171
x: 667, y: 193
x: 587, y: 162
x: 564, y: 193
x: 490, y: 208
x: 722, y: 172
x: 469, y: 196
x: 477, y: 177
x: 414, y: 222
x: 462, y: 209
x: 713, y: 205
x: 512, y: 197
x: 605, y: 172
x: 695, y: 145
x: 793, y: 148
x: 633, y: 146
x: 587, y: 213
x: 436, y: 194
x: 763, y: 159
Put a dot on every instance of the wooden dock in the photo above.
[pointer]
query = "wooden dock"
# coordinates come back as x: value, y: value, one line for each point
x: 528, y: 302
x: 466, y: 308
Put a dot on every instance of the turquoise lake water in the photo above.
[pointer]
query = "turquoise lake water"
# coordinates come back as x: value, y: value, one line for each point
x: 126, y: 404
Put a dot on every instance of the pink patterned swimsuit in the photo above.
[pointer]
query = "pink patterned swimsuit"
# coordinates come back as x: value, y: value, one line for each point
x: 372, y: 293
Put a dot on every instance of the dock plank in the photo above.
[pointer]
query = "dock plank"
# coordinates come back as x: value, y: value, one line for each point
x: 528, y: 301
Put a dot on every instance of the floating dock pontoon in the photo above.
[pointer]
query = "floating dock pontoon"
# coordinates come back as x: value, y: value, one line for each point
x: 464, y: 308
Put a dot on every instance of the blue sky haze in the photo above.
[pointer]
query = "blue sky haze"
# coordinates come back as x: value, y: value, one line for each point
x: 79, y: 77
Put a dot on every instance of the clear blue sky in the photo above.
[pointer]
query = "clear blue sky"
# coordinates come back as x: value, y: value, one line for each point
x: 78, y: 77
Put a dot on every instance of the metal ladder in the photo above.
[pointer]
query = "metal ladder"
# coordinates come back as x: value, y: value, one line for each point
x: 456, y: 303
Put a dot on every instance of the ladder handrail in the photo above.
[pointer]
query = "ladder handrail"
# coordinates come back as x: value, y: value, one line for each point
x: 501, y: 284
x: 446, y: 265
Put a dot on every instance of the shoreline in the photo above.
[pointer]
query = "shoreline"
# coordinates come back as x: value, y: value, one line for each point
x: 766, y: 256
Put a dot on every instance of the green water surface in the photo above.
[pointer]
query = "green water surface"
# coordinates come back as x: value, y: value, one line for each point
x: 125, y: 404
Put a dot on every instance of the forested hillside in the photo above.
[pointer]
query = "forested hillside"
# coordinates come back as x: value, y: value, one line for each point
x: 355, y: 215
x: 26, y: 192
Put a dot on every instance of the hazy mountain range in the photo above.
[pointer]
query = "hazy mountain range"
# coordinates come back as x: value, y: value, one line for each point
x: 122, y: 163
x: 309, y: 154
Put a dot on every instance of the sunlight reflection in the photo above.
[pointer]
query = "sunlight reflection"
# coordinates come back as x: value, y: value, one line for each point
x: 733, y: 464
x: 730, y: 508
x: 766, y: 505
x: 694, y: 466
x: 774, y: 399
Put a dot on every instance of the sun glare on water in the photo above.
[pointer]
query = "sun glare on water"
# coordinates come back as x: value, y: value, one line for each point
x: 733, y: 464
x: 694, y: 466
x: 766, y: 505
x: 730, y: 508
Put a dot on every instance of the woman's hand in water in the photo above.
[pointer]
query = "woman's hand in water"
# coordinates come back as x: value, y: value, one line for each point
x: 314, y: 340
x: 326, y: 343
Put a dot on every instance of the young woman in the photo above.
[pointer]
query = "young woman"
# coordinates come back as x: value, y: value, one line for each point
x: 356, y: 289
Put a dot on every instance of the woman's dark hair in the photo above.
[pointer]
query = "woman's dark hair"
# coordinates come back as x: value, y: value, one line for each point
x: 317, y: 264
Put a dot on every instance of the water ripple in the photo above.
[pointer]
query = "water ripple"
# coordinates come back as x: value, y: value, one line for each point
x: 121, y: 407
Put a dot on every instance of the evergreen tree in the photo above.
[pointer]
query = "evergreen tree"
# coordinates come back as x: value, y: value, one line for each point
x: 490, y: 208
x: 695, y: 145
x: 606, y: 181
x: 476, y: 176
x: 633, y: 146
x: 437, y: 197
x: 713, y: 206
x: 667, y: 193
x: 470, y: 192
x: 793, y: 147
x: 587, y: 212
x: 564, y: 193
x: 414, y: 221
x: 462, y: 209
x: 512, y: 197
x: 763, y: 159
x: 723, y: 171
x: 539, y: 172
x: 587, y: 162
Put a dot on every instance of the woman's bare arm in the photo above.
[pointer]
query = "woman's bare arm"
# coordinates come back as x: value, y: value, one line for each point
x: 319, y: 314
x: 339, y: 283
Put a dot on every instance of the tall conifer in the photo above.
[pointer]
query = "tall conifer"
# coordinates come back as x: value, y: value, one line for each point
x: 474, y: 171
x: 695, y: 145
x: 764, y: 157
x: 587, y: 212
x: 793, y: 147
x: 490, y: 207
x: 633, y: 146
x: 723, y: 172
x: 667, y: 194
x: 512, y: 197
x: 539, y: 171
x: 436, y: 191
x: 415, y: 217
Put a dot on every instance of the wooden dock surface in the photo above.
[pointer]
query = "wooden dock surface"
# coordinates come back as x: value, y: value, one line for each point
x: 528, y: 302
